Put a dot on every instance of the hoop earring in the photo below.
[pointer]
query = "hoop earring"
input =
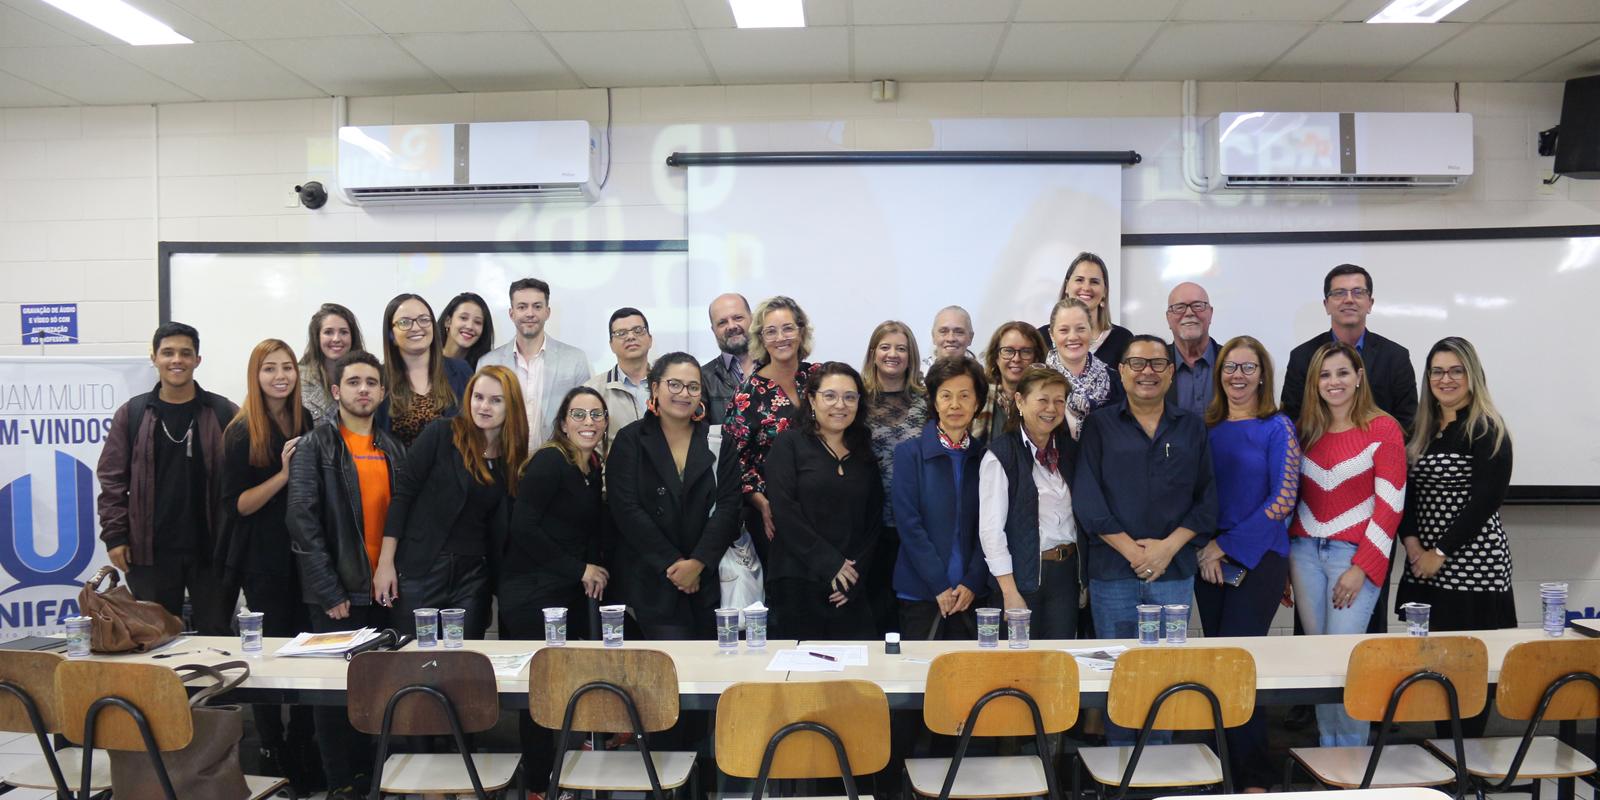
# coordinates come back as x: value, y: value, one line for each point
x: 699, y: 413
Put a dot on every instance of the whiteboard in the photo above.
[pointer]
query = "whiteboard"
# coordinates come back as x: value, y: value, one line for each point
x: 857, y: 244
x: 237, y: 299
x: 1525, y: 304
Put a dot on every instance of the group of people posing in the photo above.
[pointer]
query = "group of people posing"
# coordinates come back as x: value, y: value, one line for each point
x: 1072, y: 469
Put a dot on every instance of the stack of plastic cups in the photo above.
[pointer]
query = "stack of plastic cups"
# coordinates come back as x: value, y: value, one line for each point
x: 1554, y: 596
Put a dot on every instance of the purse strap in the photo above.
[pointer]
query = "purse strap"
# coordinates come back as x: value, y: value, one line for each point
x: 221, y: 681
x: 108, y: 571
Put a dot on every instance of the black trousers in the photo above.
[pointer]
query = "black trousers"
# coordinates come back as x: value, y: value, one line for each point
x: 1246, y: 610
x: 278, y: 599
x: 211, y: 599
x: 877, y: 585
x: 453, y: 581
x: 799, y: 609
x: 346, y: 754
x: 1055, y: 603
x: 918, y: 618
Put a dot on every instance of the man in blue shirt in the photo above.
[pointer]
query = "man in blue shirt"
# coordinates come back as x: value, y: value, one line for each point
x: 1193, y: 351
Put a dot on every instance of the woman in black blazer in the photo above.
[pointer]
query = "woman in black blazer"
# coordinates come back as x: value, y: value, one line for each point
x: 676, y: 505
x: 448, y: 512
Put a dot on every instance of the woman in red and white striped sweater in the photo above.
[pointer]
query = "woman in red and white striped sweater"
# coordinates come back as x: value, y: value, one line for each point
x: 1352, y: 492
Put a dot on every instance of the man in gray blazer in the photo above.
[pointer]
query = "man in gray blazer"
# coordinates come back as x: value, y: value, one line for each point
x: 546, y: 368
x: 723, y: 375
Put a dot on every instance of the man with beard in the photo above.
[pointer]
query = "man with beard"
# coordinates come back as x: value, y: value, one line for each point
x: 546, y: 368
x: 337, y: 538
x: 1194, y: 352
x: 730, y: 323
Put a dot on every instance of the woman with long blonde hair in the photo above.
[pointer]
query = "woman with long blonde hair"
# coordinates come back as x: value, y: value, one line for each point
x: 895, y: 406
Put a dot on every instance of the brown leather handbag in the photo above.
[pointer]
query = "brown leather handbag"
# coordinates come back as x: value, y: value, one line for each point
x: 122, y: 624
x: 208, y: 767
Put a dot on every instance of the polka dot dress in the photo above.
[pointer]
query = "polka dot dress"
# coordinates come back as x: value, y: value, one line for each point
x: 1440, y: 486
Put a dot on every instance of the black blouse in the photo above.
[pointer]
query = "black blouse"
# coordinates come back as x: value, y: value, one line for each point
x: 556, y: 523
x: 822, y: 516
x: 257, y: 544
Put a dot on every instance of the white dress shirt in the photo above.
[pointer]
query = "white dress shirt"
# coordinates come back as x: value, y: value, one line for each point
x: 530, y: 373
x: 1056, y: 526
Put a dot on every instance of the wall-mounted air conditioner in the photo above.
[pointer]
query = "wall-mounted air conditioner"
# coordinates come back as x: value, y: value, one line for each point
x: 1275, y: 149
x: 549, y: 161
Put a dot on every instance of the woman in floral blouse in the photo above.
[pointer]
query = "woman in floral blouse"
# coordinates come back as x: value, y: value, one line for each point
x: 765, y: 405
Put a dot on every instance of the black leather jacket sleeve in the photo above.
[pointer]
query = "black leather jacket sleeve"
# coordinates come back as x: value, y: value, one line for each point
x: 318, y: 577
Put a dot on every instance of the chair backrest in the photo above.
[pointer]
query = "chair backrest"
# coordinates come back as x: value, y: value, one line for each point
x: 1143, y: 673
x: 1530, y: 668
x: 956, y: 681
x: 152, y: 688
x: 1379, y: 665
x: 464, y: 676
x: 33, y: 673
x: 748, y: 714
x: 648, y: 676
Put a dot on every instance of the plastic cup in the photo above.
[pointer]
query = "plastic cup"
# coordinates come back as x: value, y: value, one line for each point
x: 1017, y: 622
x: 78, y: 637
x: 728, y: 628
x: 1149, y: 624
x: 611, y: 625
x: 250, y: 631
x: 427, y: 626
x: 455, y: 626
x: 1177, y: 622
x: 988, y: 627
x: 1416, y: 616
x: 555, y: 627
x: 1554, y: 598
x: 755, y: 628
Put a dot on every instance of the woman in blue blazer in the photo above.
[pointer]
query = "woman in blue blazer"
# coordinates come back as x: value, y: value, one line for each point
x: 940, y: 570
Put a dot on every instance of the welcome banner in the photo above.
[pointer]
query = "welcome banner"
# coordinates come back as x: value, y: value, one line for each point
x: 55, y: 414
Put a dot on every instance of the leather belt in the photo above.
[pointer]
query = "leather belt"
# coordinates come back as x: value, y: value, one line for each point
x: 1061, y: 552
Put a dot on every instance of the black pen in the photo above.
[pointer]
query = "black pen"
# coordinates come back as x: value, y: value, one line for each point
x: 823, y: 656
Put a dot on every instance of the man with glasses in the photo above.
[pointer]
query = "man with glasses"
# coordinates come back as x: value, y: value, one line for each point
x: 624, y: 387
x: 1193, y: 351
x: 952, y: 335
x: 546, y: 368
x: 1144, y: 498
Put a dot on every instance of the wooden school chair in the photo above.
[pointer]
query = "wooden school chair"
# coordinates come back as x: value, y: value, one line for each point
x: 785, y: 731
x: 609, y: 690
x: 132, y: 707
x: 1551, y: 679
x: 1402, y: 679
x: 1173, y: 689
x: 995, y: 693
x: 429, y: 693
x: 28, y: 705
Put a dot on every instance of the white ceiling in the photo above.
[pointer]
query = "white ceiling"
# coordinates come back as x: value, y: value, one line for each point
x: 266, y: 49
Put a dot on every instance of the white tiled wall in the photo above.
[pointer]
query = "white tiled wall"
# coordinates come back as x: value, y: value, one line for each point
x: 88, y: 192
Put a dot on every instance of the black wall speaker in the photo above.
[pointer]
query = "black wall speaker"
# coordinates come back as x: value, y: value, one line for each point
x: 1578, y: 145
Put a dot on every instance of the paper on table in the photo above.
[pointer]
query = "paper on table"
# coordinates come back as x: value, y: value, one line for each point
x: 1100, y: 659
x: 334, y: 643
x: 509, y: 665
x: 802, y: 661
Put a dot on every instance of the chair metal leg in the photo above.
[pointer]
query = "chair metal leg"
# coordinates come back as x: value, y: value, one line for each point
x: 145, y: 733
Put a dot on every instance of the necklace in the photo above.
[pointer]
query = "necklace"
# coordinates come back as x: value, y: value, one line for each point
x: 831, y: 453
x: 187, y: 441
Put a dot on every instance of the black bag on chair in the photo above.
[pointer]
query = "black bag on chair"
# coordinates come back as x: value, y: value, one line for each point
x: 209, y: 766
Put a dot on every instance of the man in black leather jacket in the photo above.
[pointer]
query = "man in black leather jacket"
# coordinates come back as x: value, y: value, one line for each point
x: 340, y: 480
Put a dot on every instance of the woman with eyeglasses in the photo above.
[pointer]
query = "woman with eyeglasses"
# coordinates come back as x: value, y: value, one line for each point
x: 1094, y: 384
x: 1013, y: 348
x: 676, y: 506
x: 422, y: 383
x: 895, y: 404
x: 827, y: 501
x: 765, y: 405
x: 1256, y: 464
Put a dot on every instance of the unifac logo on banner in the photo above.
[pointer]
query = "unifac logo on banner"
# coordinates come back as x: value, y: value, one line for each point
x: 20, y: 537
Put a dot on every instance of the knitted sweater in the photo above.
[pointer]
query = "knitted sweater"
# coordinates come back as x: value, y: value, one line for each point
x: 1353, y: 489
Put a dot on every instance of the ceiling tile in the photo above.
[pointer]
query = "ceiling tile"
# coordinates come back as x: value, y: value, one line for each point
x: 175, y: 17
x: 1082, y: 51
x: 779, y: 55
x: 1348, y: 51
x: 20, y: 30
x: 1242, y: 10
x: 431, y: 16
x: 1215, y: 51
x: 633, y: 58
x: 925, y: 52
x: 354, y: 65
x: 89, y: 74
x: 922, y: 12
x: 491, y: 62
x: 604, y: 15
x: 278, y: 19
x: 1498, y: 52
x: 1549, y: 11
x: 1362, y: 10
x: 18, y: 93
x: 219, y: 70
x: 718, y: 14
x: 1583, y: 62
x: 1094, y: 10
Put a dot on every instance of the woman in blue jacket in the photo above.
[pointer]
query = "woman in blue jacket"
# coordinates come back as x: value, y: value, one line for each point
x: 940, y: 570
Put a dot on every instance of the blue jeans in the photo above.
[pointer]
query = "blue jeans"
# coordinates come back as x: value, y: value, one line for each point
x: 1314, y: 566
x: 1114, y: 605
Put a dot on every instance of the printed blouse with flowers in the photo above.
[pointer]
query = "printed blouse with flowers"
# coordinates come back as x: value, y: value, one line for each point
x: 759, y: 412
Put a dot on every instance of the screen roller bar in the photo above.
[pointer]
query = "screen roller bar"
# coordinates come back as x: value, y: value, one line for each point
x: 1124, y: 157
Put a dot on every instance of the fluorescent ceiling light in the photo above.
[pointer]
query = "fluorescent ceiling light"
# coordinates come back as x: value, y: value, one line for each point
x: 1416, y: 10
x: 122, y: 21
x: 768, y: 13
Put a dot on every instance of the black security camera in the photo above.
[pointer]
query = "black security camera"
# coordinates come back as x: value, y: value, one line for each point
x: 312, y: 195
